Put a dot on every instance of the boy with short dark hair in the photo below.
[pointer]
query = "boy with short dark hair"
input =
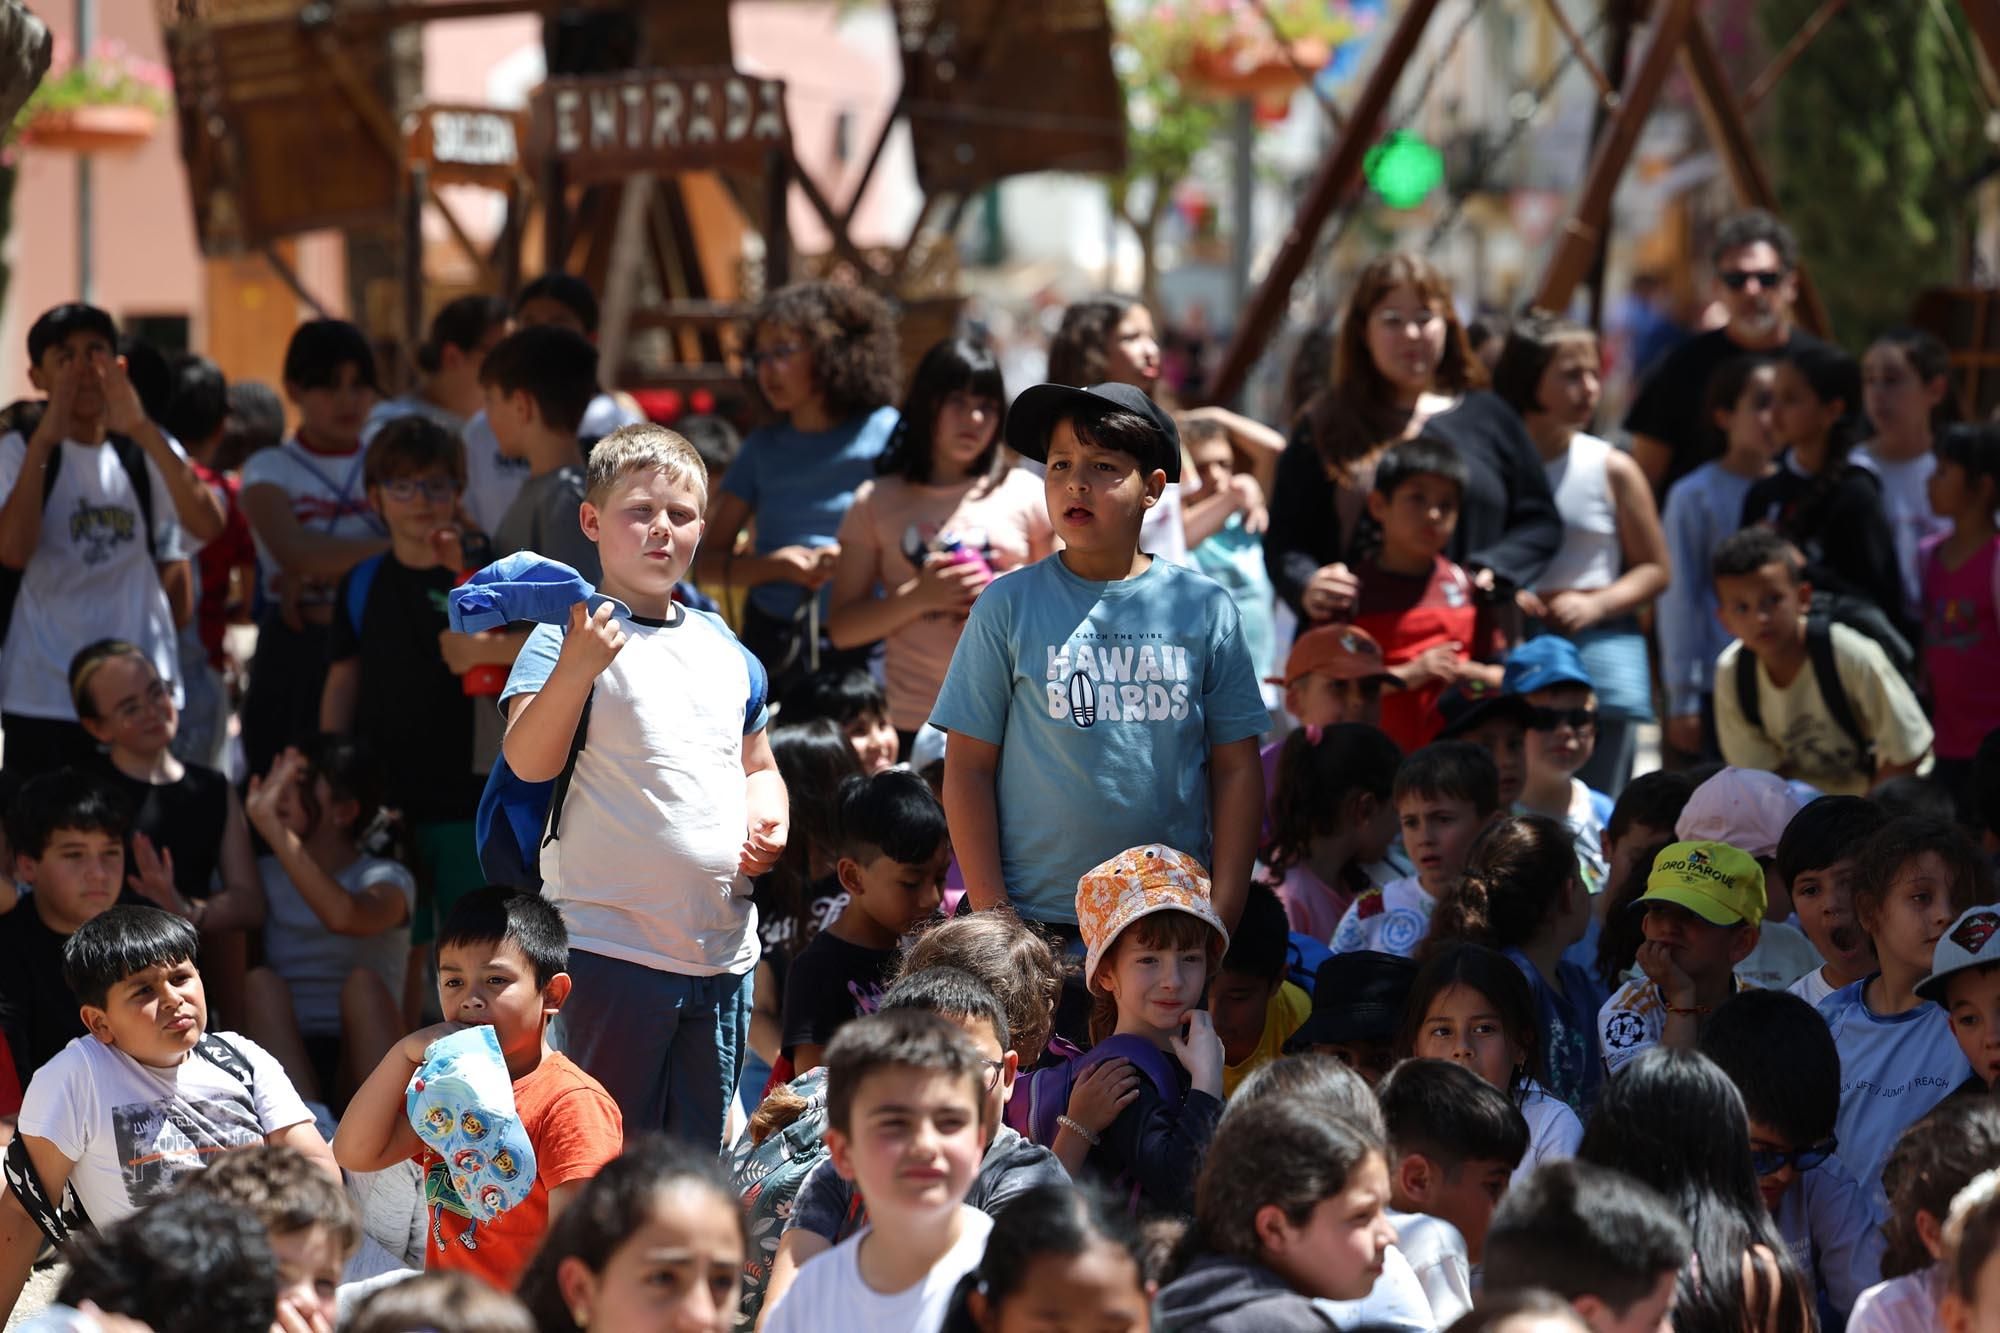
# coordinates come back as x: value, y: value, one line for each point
x: 67, y: 830
x: 90, y: 533
x: 663, y: 824
x: 311, y: 1225
x: 1818, y: 858
x: 1454, y: 1141
x: 538, y: 382
x: 1117, y: 686
x: 1764, y: 598
x: 1610, y: 1246
x: 1643, y: 816
x: 892, y: 867
x: 907, y: 1121
x: 1425, y: 611
x: 1254, y: 1009
x: 1777, y: 1051
x: 1446, y: 793
x: 395, y: 677
x: 502, y: 962
x: 148, y: 1097
x: 1704, y: 902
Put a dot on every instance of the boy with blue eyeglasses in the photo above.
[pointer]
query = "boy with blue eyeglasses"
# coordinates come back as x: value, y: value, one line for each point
x: 395, y: 674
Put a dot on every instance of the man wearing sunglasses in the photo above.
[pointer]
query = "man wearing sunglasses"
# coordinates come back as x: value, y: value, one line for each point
x: 1777, y: 1051
x: 1756, y: 272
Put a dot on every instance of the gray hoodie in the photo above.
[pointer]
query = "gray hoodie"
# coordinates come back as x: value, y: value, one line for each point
x: 1219, y: 1295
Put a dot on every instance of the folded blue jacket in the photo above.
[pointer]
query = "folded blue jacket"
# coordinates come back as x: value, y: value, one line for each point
x: 519, y: 587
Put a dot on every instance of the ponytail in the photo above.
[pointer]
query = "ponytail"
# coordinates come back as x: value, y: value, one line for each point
x: 1514, y: 880
x: 1317, y: 769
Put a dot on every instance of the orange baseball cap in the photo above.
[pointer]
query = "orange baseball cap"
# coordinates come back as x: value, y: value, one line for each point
x: 1343, y: 652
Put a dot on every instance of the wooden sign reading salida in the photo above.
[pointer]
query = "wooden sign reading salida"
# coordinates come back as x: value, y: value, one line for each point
x: 604, y: 127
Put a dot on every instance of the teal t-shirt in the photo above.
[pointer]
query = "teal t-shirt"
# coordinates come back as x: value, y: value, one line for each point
x: 1105, y: 699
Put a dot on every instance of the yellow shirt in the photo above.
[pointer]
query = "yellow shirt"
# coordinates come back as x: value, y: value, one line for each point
x: 1287, y: 1011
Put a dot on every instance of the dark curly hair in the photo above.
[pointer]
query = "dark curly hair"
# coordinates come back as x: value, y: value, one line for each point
x: 851, y: 335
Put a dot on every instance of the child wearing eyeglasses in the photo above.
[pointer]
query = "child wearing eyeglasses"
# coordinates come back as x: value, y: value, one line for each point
x: 1777, y: 1051
x: 1562, y: 735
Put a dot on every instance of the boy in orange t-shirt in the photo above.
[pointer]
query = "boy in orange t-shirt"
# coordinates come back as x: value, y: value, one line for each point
x: 503, y: 961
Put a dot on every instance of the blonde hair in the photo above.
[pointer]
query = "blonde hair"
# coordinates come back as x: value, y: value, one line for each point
x: 649, y: 448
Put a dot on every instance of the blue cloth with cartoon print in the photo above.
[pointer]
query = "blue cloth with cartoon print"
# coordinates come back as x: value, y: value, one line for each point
x: 1105, y: 700
x: 461, y: 1103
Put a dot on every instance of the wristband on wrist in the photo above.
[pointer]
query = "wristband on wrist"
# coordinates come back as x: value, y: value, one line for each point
x: 1698, y: 1010
x: 1073, y: 1127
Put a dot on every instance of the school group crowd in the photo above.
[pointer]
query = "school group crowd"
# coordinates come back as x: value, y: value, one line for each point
x: 983, y: 858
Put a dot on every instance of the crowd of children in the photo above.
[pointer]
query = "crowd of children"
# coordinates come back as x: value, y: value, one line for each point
x: 890, y: 890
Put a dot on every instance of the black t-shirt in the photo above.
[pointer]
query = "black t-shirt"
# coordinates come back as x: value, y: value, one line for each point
x: 787, y: 923
x: 1668, y: 407
x: 831, y: 981
x: 412, y: 711
x: 185, y: 818
x: 39, y: 1013
x: 1841, y: 528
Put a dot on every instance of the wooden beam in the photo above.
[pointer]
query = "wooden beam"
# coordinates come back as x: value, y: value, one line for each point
x: 1730, y: 133
x: 1761, y: 86
x: 1983, y: 17
x: 1335, y: 177
x: 1578, y: 243
x: 621, y: 276
x: 1581, y: 50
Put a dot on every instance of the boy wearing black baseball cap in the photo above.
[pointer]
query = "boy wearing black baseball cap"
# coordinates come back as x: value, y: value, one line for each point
x: 1100, y: 698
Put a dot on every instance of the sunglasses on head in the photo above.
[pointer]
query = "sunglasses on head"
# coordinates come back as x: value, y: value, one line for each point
x: 1802, y: 1159
x: 1548, y: 719
x: 1767, y: 278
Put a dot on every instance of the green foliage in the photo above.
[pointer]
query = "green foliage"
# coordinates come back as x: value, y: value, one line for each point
x: 1166, y: 126
x: 108, y: 78
x: 1869, y: 135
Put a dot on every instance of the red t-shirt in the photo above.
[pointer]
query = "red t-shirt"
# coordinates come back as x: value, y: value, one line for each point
x: 1410, y: 614
x: 214, y: 561
x: 575, y: 1128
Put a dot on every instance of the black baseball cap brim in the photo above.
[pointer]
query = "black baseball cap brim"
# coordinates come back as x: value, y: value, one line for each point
x: 1461, y: 714
x: 1032, y: 418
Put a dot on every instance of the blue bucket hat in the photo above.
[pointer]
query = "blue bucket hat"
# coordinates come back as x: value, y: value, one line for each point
x: 1542, y: 662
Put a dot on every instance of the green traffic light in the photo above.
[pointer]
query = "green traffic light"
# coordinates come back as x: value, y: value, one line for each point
x: 1403, y: 169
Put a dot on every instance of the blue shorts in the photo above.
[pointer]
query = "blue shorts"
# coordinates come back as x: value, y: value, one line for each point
x: 669, y: 1048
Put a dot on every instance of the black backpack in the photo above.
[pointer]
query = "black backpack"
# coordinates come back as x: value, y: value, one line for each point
x: 25, y: 417
x: 1828, y: 610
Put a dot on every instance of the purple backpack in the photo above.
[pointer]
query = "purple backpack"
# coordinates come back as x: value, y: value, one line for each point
x: 1042, y: 1094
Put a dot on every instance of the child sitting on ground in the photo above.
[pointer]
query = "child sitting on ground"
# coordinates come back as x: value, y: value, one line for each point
x: 1608, y: 1245
x: 1971, y: 1236
x: 1254, y: 1009
x: 1058, y: 1249
x: 1522, y: 895
x: 1777, y: 1051
x: 147, y: 1098
x: 1146, y: 1098
x: 1702, y: 905
x: 1497, y: 723
x: 1965, y: 980
x: 1454, y: 1141
x: 1435, y: 628
x: 503, y: 963
x: 1282, y: 1175
x: 1897, y: 1055
x: 1750, y: 810
x: 1472, y: 1006
x: 855, y: 700
x: 1446, y: 793
x: 907, y: 1122
x: 1760, y: 584
x: 336, y: 922
x: 1816, y: 859
x: 896, y: 852
x: 1358, y: 1000
x: 1549, y: 673
x: 1331, y: 818
x: 1932, y: 1161
x: 311, y: 1225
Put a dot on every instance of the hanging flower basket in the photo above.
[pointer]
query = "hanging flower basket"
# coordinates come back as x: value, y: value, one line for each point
x: 91, y: 129
x: 1261, y: 70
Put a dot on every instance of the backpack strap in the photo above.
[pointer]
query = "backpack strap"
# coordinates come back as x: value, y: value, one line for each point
x: 560, y: 791
x: 59, y: 1220
x: 222, y: 1053
x: 1747, y: 701
x: 132, y: 457
x: 1826, y: 674
x: 361, y: 582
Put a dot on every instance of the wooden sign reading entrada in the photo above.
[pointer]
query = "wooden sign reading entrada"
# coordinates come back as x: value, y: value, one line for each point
x: 603, y: 127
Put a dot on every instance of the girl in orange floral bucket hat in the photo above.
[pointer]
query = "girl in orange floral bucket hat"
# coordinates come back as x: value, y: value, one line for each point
x: 1146, y: 1097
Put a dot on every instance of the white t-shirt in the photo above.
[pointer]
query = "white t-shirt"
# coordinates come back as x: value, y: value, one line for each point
x: 326, y: 494
x: 1553, y: 1129
x: 314, y: 961
x: 1906, y: 1304
x: 1893, y: 1069
x: 89, y: 577
x: 830, y: 1297
x: 135, y: 1131
x: 1396, y: 1302
x: 652, y: 830
x: 1783, y: 955
x: 1813, y: 986
x: 1906, y: 501
x: 1633, y: 1019
x: 1163, y: 532
x: 1392, y: 919
x: 1437, y: 1256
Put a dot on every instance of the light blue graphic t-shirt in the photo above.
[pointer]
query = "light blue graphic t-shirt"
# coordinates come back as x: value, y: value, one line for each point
x: 799, y: 485
x: 1893, y: 1069
x: 1105, y: 699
